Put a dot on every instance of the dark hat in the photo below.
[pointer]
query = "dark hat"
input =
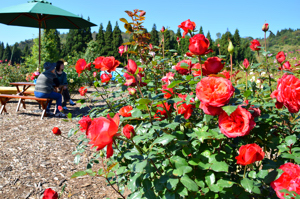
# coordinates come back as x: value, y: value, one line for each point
x: 49, y: 66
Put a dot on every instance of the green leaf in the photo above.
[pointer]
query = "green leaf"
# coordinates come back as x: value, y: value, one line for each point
x: 144, y: 101
x: 69, y: 115
x: 247, y: 184
x: 136, y: 113
x: 188, y: 183
x: 178, y: 161
x: 164, y: 140
x: 220, y: 167
x: 229, y: 109
x: 172, y: 183
x: 78, y: 173
x: 247, y: 93
x: 77, y: 159
x: 139, y: 167
x: 210, y: 178
x: 123, y: 20
x: 290, y: 140
x: 172, y: 125
x: 225, y: 183
x: 174, y: 83
x: 71, y: 132
x: 184, y: 65
x: 207, y: 118
x: 270, y: 177
x: 252, y: 174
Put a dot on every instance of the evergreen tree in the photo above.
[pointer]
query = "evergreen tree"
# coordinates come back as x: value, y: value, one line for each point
x: 211, y: 44
x: 178, y: 46
x: 117, y: 42
x: 6, y: 53
x: 79, y: 44
x: 201, y: 30
x: 224, y: 44
x: 69, y: 43
x: 17, y: 54
x: 87, y: 34
x: 236, y: 38
x: 1, y: 50
x: 50, y: 51
x: 167, y: 42
x: 100, y: 39
x: 154, y: 36
x: 108, y: 37
x: 26, y: 51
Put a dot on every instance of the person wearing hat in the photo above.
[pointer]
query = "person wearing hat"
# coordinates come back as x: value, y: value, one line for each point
x: 44, y: 87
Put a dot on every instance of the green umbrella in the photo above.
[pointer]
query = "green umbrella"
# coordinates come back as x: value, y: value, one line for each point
x: 41, y: 14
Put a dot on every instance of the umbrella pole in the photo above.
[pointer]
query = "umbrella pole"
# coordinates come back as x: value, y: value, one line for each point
x: 39, y: 44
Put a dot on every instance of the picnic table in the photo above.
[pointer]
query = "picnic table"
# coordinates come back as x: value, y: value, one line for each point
x: 26, y: 85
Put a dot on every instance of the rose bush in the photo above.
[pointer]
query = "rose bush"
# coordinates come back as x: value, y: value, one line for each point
x: 182, y: 134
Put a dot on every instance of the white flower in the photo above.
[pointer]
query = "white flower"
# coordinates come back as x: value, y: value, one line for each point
x: 258, y: 81
x: 65, y: 63
x: 71, y: 80
x: 152, y: 53
x: 251, y: 73
x: 263, y: 73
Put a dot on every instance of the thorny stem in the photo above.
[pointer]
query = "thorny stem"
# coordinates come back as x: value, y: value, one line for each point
x: 114, y: 188
x: 230, y: 67
x: 138, y: 85
x: 265, y: 42
x: 245, y: 171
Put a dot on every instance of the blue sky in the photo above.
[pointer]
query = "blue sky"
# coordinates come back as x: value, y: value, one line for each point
x: 214, y: 16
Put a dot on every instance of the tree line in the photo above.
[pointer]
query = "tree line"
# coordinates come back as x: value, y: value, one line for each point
x: 107, y: 41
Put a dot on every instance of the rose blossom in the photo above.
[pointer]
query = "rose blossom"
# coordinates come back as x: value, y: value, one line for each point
x: 84, y: 123
x: 131, y: 91
x: 186, y: 26
x: 162, y: 114
x: 196, y: 70
x: 199, y: 44
x: 131, y: 66
x: 288, y: 93
x: 286, y: 65
x: 246, y: 63
x: 254, y: 45
x: 280, y: 56
x: 121, y: 50
x: 183, y: 108
x: 124, y: 111
x: 105, y: 77
x: 56, y: 131
x: 249, y: 154
x: 165, y: 89
x: 214, y: 91
x: 238, y: 124
x: 128, y: 131
x: 212, y: 65
x: 108, y: 64
x: 181, y: 70
x: 101, y: 132
x: 289, y: 180
x: 50, y: 194
x: 81, y: 66
x: 265, y: 27
x: 82, y: 90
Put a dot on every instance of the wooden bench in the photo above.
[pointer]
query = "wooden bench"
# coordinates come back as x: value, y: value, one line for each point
x: 42, y: 101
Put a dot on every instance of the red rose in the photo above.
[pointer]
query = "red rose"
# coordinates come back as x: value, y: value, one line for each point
x: 288, y: 93
x: 98, y: 62
x: 56, y: 131
x: 94, y: 74
x: 265, y: 27
x: 131, y: 91
x: 210, y: 110
x: 82, y: 90
x: 186, y: 26
x: 81, y: 66
x: 249, y: 154
x: 183, y: 70
x: 161, y: 113
x: 128, y: 131
x: 280, y: 57
x: 150, y: 46
x: 196, y: 69
x: 226, y: 74
x: 162, y: 29
x: 212, y: 65
x: 130, y: 80
x: 286, y: 65
x: 256, y: 111
x: 165, y: 90
x: 124, y: 111
x: 109, y: 64
x: 199, y: 44
x: 50, y: 194
x: 238, y: 124
x: 85, y: 123
x: 131, y: 66
x: 289, y: 180
x: 121, y: 50
x: 214, y: 91
x: 101, y: 132
x: 246, y: 63
x: 105, y: 77
x: 183, y: 108
x: 60, y: 108
x: 254, y: 45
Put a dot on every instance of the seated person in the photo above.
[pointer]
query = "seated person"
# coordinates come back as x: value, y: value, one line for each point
x: 44, y: 87
x: 62, y: 77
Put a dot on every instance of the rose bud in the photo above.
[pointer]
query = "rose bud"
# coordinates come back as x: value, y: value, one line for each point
x: 50, y: 194
x: 246, y: 63
x: 265, y: 27
x: 56, y: 131
x: 249, y: 154
x: 128, y: 131
x: 230, y: 48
